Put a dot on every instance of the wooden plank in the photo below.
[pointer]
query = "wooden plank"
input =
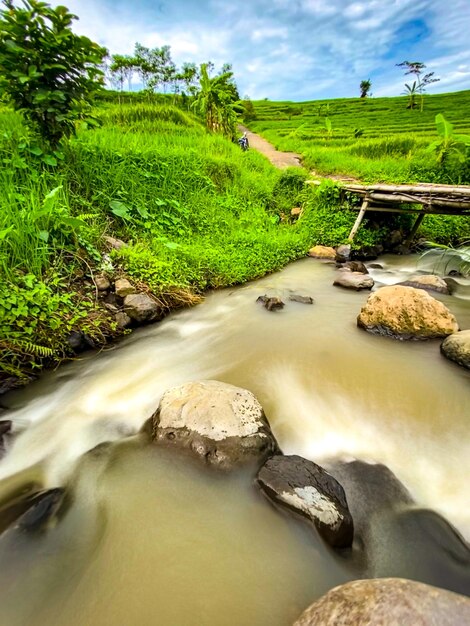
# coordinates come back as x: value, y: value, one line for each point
x: 457, y: 190
x: 409, y: 199
x: 359, y: 219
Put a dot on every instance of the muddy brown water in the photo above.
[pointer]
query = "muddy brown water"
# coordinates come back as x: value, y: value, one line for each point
x: 150, y: 537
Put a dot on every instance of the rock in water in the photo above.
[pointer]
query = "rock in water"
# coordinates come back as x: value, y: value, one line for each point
x: 354, y: 280
x: 271, y: 303
x: 387, y: 602
x: 322, y: 252
x: 223, y: 425
x: 428, y: 282
x: 406, y: 313
x: 295, y: 297
x: 456, y: 347
x: 308, y: 489
x: 354, y: 266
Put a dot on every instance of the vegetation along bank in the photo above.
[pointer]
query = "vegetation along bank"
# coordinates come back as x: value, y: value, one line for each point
x: 98, y: 187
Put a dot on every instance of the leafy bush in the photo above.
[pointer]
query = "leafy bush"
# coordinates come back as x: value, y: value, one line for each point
x: 47, y: 71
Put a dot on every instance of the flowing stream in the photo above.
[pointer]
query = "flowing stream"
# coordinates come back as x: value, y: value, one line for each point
x: 151, y: 537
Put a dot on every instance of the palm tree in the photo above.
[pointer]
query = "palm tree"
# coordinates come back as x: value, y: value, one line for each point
x: 365, y: 88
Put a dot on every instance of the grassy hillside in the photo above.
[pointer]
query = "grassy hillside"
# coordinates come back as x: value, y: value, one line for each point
x: 194, y: 211
x: 374, y: 139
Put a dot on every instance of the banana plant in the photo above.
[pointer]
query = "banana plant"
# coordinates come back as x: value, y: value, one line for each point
x: 449, y: 143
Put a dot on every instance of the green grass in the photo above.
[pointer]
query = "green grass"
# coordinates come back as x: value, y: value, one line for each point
x: 392, y: 144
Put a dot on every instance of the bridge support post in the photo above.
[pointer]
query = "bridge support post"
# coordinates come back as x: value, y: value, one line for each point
x: 414, y: 229
x: 359, y: 219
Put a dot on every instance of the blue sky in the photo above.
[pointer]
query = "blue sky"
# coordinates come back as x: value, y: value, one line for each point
x: 295, y: 49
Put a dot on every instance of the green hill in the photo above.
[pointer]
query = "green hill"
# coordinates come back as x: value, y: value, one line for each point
x: 375, y: 139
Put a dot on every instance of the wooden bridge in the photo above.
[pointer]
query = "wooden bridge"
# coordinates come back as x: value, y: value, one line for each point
x: 421, y: 199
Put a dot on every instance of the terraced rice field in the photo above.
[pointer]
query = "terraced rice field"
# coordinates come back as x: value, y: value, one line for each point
x: 375, y: 139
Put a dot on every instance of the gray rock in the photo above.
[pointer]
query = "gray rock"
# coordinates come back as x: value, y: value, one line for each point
x: 112, y: 242
x: 456, y: 347
x: 122, y: 319
x: 429, y: 282
x: 124, y: 288
x: 223, y: 425
x: 387, y: 602
x: 308, y: 489
x: 354, y: 266
x: 271, y: 303
x: 31, y: 512
x: 343, y: 252
x: 302, y: 299
x: 112, y: 308
x: 102, y: 283
x: 354, y: 280
x: 141, y: 308
x: 370, y: 488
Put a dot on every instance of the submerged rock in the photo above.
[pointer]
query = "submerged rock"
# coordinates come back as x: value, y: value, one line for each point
x: 370, y: 488
x: 354, y: 280
x: 223, y: 425
x: 308, y: 489
x: 322, y: 252
x: 31, y: 512
x: 406, y: 313
x: 5, y: 430
x: 428, y: 282
x: 386, y: 602
x: 302, y: 299
x: 141, y: 308
x: 456, y: 347
x: 271, y: 303
x: 354, y: 266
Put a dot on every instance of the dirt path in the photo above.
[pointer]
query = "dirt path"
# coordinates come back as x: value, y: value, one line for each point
x: 286, y: 159
x: 278, y: 159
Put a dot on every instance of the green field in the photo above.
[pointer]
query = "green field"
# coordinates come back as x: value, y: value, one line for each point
x: 393, y: 140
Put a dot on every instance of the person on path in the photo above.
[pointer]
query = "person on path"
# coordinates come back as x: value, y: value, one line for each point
x: 243, y: 142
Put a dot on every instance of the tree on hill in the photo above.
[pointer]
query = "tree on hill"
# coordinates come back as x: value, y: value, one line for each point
x: 422, y: 80
x: 217, y: 100
x: 365, y: 88
x: 46, y: 70
x: 122, y: 68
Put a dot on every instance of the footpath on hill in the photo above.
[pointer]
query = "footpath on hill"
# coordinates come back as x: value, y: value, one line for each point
x: 284, y: 159
x: 278, y: 159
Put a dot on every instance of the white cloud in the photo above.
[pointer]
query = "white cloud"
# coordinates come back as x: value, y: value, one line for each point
x: 293, y: 49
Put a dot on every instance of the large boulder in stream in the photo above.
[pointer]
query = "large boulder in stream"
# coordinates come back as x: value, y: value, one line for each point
x: 223, y: 425
x: 406, y: 313
x: 387, y: 602
x: 456, y: 347
x: 306, y: 488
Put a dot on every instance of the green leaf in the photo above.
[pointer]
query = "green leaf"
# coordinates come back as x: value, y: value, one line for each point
x: 44, y: 235
x: 48, y: 159
x: 444, y: 128
x: 120, y: 209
